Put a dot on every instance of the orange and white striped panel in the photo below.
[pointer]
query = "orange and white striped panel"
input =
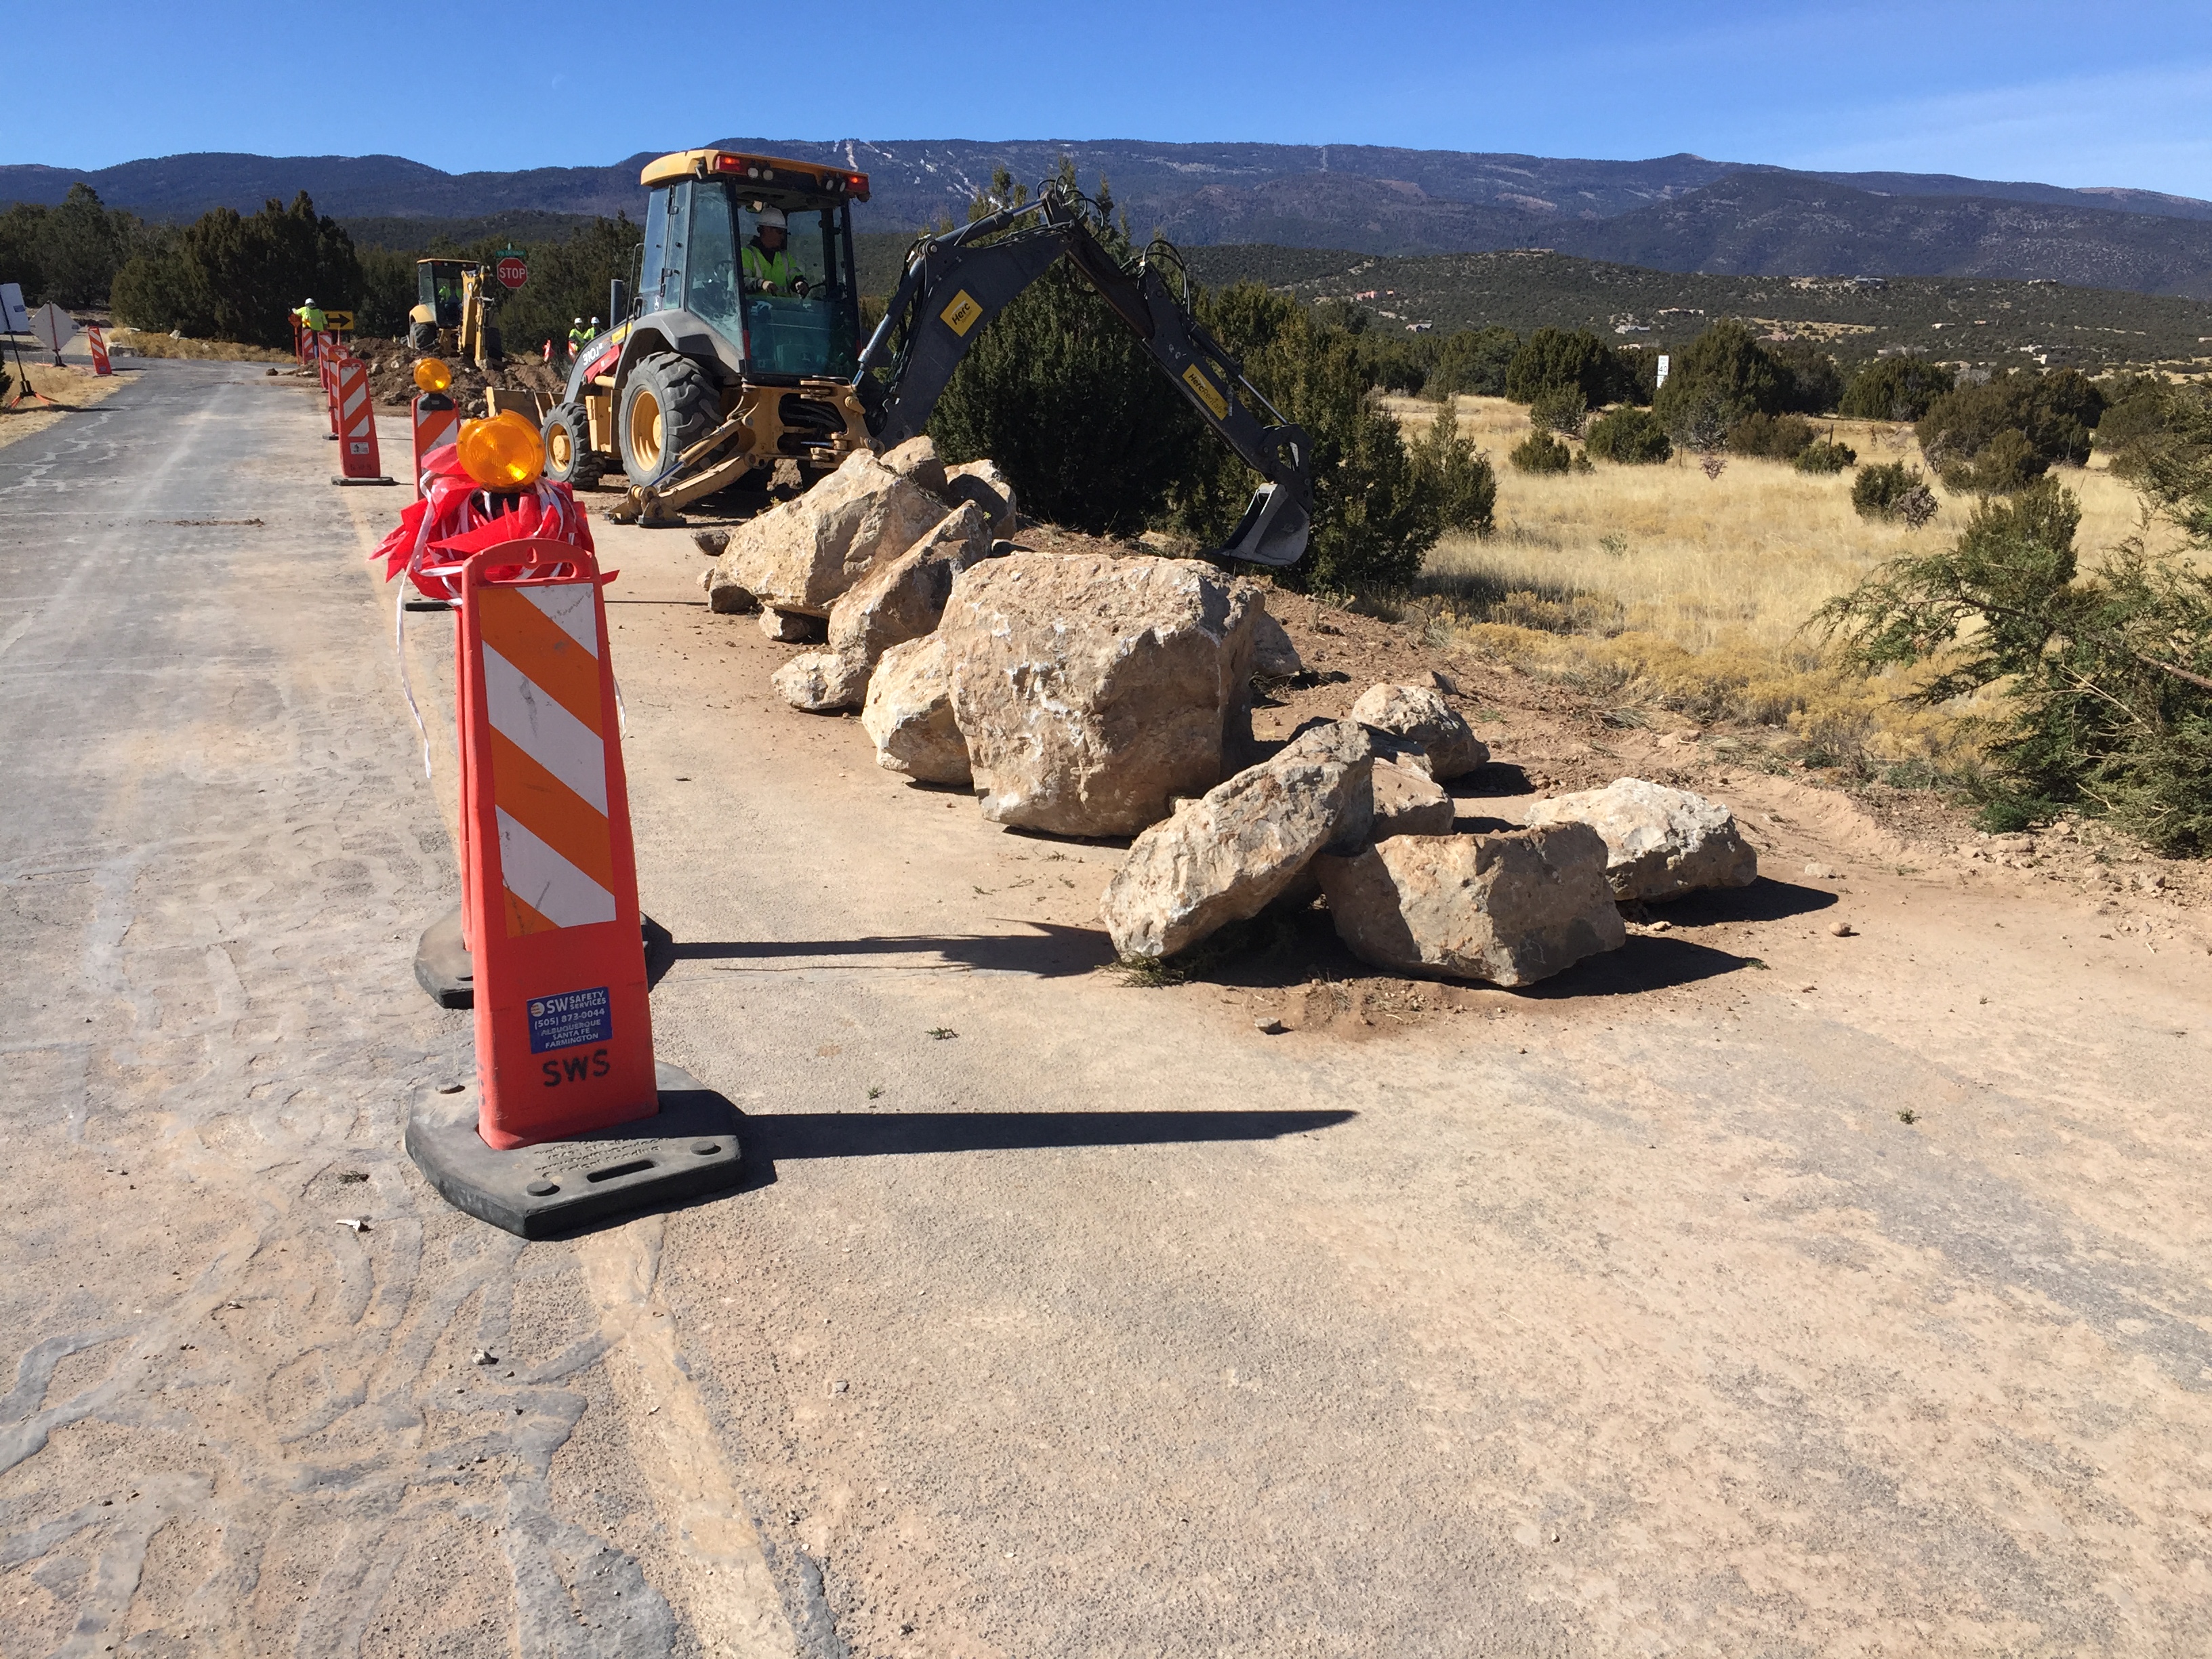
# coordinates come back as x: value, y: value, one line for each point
x: 548, y: 759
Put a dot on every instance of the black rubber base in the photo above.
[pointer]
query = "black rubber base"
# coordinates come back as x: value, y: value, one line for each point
x: 689, y: 1148
x: 363, y: 481
x: 443, y: 969
x: 441, y: 963
x: 431, y: 605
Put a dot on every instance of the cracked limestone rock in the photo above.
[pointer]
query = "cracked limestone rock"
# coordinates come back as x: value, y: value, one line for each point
x: 1225, y: 856
x: 801, y: 554
x: 901, y: 597
x: 1092, y: 691
x: 1408, y: 802
x: 1510, y: 908
x: 1420, y: 714
x: 916, y: 459
x: 908, y: 715
x: 821, y: 681
x: 1660, y: 842
x: 982, y: 482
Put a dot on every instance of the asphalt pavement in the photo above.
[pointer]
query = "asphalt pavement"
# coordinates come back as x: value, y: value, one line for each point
x: 1055, y: 1315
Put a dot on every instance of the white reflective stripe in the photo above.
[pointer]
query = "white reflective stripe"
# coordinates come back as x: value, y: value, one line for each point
x: 355, y: 400
x: 569, y: 606
x: 544, y: 731
x: 547, y: 883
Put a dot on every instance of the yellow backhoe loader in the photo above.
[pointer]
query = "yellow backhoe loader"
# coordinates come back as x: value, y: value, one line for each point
x: 454, y: 311
x: 742, y: 347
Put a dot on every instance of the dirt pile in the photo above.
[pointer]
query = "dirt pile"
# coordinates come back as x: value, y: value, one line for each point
x: 392, y: 374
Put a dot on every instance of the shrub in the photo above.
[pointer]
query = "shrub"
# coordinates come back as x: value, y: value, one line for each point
x: 1555, y: 359
x: 1812, y: 383
x: 1772, y: 437
x: 1456, y: 474
x: 2105, y: 681
x: 1894, y: 490
x: 1723, y: 377
x: 1895, y: 389
x: 2150, y: 419
x: 2050, y: 418
x: 1540, y: 452
x: 1472, y: 362
x: 1562, y: 409
x: 1825, y: 455
x: 1629, y: 437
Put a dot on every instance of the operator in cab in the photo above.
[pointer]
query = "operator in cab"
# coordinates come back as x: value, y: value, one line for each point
x: 768, y: 265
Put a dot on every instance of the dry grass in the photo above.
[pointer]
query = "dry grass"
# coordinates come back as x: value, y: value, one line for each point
x: 226, y: 351
x: 69, y: 387
x: 1658, y: 586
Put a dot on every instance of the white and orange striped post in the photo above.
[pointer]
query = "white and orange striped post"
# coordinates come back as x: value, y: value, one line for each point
x: 358, y: 462
x: 437, y: 421
x: 92, y: 338
x: 564, y: 1035
x: 572, y: 1119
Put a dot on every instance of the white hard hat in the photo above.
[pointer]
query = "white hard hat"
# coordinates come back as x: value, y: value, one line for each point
x: 579, y: 320
x: 772, y: 217
x: 307, y: 302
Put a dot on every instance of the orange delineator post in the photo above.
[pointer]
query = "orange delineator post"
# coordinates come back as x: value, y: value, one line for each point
x: 326, y: 355
x: 100, y: 363
x: 356, y: 414
x: 564, y: 1031
x: 437, y: 420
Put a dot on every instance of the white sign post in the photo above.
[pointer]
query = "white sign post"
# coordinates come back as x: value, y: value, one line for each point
x: 53, y: 328
x: 14, y: 320
x: 1662, y: 380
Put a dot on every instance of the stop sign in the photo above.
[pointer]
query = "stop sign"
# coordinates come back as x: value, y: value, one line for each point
x: 512, y: 271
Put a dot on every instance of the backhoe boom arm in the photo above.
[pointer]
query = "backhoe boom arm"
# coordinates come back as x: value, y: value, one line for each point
x: 957, y: 282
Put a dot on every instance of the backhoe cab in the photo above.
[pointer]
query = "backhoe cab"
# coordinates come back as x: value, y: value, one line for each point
x: 743, y: 336
x: 453, y: 311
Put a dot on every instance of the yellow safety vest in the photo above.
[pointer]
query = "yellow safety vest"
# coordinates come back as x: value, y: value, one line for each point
x: 770, y: 271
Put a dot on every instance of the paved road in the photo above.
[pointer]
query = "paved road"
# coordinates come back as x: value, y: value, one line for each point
x: 1629, y: 1318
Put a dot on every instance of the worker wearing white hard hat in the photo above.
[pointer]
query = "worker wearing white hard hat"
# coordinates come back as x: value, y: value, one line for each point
x: 768, y: 263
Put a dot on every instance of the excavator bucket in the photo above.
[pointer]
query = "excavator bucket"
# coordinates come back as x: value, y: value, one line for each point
x: 1272, y: 531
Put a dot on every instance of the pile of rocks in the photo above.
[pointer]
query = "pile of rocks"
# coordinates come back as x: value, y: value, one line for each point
x: 1081, y: 695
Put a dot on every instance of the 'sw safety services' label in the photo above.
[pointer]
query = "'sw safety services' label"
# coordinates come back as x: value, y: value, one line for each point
x: 570, y: 1020
x: 1208, y: 394
x: 960, y: 316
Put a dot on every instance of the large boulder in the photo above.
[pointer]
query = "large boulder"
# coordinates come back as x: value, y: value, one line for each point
x: 909, y: 714
x: 1420, y: 714
x: 901, y: 597
x: 1093, y: 690
x: 790, y: 627
x: 982, y: 482
x: 1408, y: 802
x: 1659, y: 842
x: 1510, y: 908
x: 822, y: 682
x: 1243, y: 844
x: 916, y: 459
x: 1274, y: 656
x: 801, y: 554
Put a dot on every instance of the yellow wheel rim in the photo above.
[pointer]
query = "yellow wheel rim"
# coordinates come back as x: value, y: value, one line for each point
x: 558, y: 449
x: 645, y: 431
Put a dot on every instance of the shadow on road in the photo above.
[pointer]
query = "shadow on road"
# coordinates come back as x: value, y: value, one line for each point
x: 1764, y: 900
x: 1644, y: 963
x: 1049, y: 952
x: 778, y: 1135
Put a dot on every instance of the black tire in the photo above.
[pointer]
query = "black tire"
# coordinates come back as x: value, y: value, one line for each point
x: 423, y: 337
x: 667, y: 405
x: 569, y: 457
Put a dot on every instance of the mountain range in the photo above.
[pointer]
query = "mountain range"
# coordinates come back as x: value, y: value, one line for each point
x: 1680, y: 213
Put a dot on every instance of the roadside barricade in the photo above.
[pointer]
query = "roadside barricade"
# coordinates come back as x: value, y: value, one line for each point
x: 327, y: 357
x: 571, y: 1117
x: 358, y: 462
x: 435, y: 417
x: 99, y: 345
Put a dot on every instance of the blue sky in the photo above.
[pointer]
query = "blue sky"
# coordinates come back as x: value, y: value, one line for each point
x: 2118, y: 93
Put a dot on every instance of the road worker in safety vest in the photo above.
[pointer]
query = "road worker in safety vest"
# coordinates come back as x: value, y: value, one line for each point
x: 311, y: 316
x: 768, y: 265
x: 577, y: 335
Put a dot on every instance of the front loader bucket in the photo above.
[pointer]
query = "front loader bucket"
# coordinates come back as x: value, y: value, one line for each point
x: 1272, y: 531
